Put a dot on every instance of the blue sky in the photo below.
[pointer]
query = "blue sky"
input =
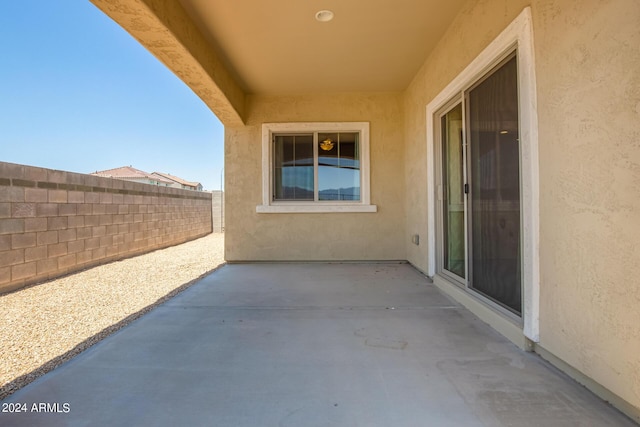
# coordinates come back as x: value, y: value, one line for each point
x: 78, y: 93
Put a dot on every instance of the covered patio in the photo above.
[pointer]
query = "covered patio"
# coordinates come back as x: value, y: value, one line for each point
x: 489, y: 144
x: 310, y: 344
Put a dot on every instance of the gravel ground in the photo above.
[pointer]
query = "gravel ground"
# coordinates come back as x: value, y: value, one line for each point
x: 45, y: 325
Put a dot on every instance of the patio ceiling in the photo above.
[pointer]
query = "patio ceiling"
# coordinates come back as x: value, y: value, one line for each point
x: 278, y: 47
x: 225, y: 50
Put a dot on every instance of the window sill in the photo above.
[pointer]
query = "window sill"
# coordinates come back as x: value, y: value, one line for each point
x: 316, y: 208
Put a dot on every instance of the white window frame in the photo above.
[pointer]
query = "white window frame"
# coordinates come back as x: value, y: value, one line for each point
x: 518, y: 34
x: 326, y: 206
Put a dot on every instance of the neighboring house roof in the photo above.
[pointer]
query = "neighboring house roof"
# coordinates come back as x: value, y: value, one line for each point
x: 176, y: 179
x: 129, y: 172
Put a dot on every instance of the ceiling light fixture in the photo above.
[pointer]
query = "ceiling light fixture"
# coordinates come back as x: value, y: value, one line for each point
x: 327, y: 144
x: 324, y: 15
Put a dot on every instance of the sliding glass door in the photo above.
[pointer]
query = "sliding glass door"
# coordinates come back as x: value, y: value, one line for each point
x: 479, y: 218
x: 453, y: 197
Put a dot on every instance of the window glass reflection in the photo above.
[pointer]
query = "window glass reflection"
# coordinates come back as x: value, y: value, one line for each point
x: 293, y: 167
x: 495, y: 187
x: 338, y: 166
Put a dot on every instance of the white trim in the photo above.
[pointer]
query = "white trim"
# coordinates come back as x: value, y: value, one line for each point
x: 503, y: 324
x: 518, y: 34
x: 269, y: 206
x: 315, y: 208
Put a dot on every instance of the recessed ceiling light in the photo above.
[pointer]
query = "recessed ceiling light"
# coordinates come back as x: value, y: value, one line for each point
x: 324, y: 16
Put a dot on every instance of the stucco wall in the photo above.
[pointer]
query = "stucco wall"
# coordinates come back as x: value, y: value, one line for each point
x: 587, y: 62
x: 316, y: 237
x: 54, y: 222
x: 472, y: 30
x: 168, y: 32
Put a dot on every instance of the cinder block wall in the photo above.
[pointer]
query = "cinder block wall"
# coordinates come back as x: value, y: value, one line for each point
x: 217, y: 208
x: 54, y: 222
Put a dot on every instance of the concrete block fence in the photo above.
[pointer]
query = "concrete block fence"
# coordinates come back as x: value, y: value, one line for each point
x: 217, y: 208
x: 54, y: 222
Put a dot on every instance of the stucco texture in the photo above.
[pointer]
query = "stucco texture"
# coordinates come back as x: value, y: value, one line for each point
x: 252, y: 236
x: 588, y: 92
x: 587, y: 64
x: 167, y: 31
x: 474, y: 28
x: 588, y: 67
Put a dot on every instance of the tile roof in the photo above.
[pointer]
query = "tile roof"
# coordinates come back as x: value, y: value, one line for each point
x: 176, y: 179
x: 129, y: 172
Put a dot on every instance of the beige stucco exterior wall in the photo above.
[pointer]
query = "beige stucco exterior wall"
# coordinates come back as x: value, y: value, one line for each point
x: 589, y: 87
x: 326, y: 236
x: 472, y: 30
x: 588, y: 92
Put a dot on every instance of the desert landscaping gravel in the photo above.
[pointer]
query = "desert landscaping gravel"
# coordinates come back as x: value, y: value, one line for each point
x: 45, y: 325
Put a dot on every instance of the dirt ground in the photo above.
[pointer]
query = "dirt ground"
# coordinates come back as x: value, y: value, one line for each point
x: 47, y: 324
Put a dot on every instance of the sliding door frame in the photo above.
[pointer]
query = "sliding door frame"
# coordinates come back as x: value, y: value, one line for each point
x: 517, y: 36
x: 440, y: 189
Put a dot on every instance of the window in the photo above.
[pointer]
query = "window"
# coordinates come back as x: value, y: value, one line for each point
x: 336, y: 156
x: 315, y: 167
x: 293, y: 167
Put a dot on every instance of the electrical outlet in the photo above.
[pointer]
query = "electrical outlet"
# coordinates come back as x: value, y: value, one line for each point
x: 415, y: 239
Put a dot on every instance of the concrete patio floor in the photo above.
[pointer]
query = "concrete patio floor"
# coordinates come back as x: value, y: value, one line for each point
x: 309, y: 345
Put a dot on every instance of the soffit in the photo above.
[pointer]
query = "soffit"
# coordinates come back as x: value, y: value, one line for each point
x: 277, y: 46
